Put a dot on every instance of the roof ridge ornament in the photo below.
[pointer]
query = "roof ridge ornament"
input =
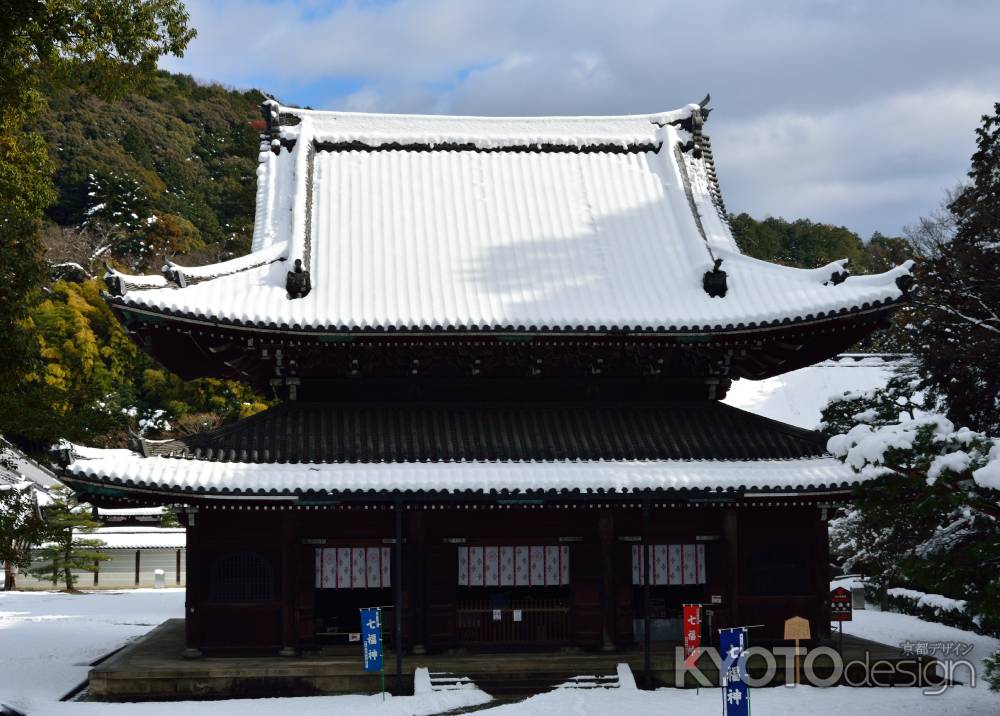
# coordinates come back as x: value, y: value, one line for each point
x: 297, y: 282
x: 694, y: 123
x: 113, y: 280
x: 714, y: 281
x: 172, y: 272
x: 270, y: 110
x: 838, y: 277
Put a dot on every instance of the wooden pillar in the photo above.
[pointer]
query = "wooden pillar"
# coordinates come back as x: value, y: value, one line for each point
x: 606, y: 527
x: 417, y: 549
x: 178, y: 568
x: 647, y: 558
x: 730, y: 537
x: 193, y: 593
x: 397, y: 583
x: 821, y: 573
x: 137, y: 553
x: 97, y: 571
x: 288, y: 563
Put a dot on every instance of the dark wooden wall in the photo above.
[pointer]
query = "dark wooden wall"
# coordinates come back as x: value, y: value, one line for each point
x: 744, y: 545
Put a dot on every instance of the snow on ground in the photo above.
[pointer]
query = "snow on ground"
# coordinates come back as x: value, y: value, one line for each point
x: 897, y: 629
x: 47, y: 639
x: 799, y: 397
x: 780, y: 701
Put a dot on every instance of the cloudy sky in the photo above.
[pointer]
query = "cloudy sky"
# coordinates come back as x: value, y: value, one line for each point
x: 851, y: 112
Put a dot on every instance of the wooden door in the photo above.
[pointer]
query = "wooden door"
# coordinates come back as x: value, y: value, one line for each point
x: 442, y: 580
x: 585, y: 585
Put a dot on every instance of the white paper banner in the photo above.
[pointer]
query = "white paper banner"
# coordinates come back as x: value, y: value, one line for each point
x: 535, y: 565
x: 673, y: 564
x: 353, y: 567
x: 506, y: 566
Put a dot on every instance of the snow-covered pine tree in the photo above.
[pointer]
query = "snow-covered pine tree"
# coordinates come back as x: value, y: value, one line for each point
x: 955, y: 322
x: 929, y: 518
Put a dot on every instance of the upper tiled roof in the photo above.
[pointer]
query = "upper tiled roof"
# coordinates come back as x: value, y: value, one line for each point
x: 416, y: 222
x: 489, y: 431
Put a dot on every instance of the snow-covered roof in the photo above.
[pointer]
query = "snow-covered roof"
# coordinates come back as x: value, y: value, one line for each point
x: 422, y: 222
x: 222, y: 478
x: 114, y: 514
x: 138, y: 537
x: 799, y: 397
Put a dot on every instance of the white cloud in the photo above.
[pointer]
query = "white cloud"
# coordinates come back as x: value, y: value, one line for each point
x: 898, y: 153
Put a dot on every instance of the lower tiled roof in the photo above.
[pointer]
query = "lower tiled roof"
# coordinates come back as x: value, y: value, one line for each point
x: 109, y: 472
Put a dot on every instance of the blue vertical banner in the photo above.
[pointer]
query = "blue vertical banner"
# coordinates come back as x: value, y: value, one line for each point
x: 735, y: 691
x: 371, y: 638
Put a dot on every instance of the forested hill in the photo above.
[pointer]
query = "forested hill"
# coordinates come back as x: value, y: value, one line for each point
x: 808, y: 244
x: 170, y: 170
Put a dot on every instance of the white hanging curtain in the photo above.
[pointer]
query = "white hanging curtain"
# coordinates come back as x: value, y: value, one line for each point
x: 352, y: 567
x: 508, y: 566
x: 673, y: 564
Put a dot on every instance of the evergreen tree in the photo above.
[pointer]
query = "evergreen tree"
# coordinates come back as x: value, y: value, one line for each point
x: 20, y: 521
x: 64, y: 550
x: 955, y: 326
x: 927, y: 517
x: 20, y: 528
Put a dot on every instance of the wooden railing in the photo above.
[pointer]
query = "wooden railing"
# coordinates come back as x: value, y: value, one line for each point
x: 521, y: 621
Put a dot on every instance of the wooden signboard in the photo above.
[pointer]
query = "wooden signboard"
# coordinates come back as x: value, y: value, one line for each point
x: 797, y: 629
x: 841, y: 605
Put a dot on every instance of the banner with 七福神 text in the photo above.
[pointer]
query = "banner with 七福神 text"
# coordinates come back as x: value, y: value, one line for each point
x: 371, y: 638
x: 692, y: 630
x: 735, y: 690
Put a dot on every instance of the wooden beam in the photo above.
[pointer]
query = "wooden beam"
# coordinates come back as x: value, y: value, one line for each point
x: 647, y: 558
x: 194, y: 592
x: 397, y: 583
x: 606, y: 526
x: 730, y: 537
x: 288, y: 559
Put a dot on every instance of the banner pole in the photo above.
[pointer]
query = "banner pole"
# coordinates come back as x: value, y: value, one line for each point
x: 382, y: 670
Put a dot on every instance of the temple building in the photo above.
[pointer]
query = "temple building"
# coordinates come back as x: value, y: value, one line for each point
x: 498, y: 348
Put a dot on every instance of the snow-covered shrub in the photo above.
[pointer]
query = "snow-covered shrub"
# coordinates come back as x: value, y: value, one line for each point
x: 992, y: 673
x: 932, y: 608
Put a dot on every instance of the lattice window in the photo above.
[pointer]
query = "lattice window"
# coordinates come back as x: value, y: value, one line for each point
x: 242, y: 577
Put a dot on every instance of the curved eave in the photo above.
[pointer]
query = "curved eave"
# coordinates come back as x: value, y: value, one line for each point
x: 120, y: 305
x: 93, y: 483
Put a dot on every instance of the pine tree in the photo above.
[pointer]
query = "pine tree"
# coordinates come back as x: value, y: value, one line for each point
x: 64, y: 550
x: 955, y: 326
